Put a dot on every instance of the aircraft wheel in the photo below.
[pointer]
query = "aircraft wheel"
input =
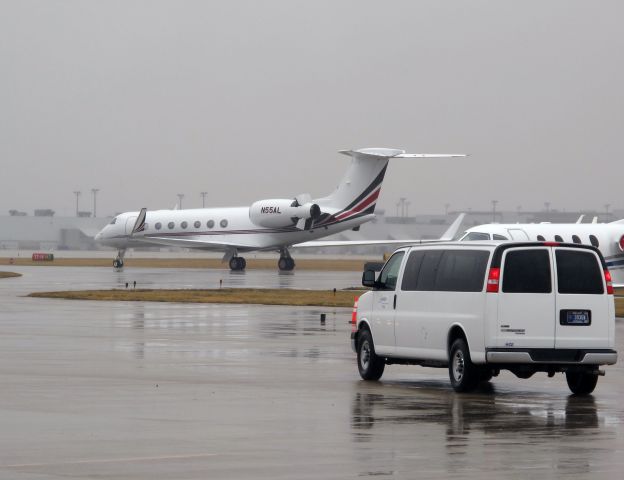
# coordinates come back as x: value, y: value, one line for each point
x: 237, y: 263
x: 286, y: 264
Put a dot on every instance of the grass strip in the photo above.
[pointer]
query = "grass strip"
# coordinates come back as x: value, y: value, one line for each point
x: 9, y: 274
x: 321, y: 298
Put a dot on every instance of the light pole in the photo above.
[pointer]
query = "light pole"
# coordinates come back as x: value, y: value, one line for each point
x: 180, y: 196
x: 77, y: 193
x: 203, y: 195
x: 446, y: 207
x: 402, y: 206
x: 94, y: 192
x: 547, y: 205
x: 607, y: 205
x: 494, y: 202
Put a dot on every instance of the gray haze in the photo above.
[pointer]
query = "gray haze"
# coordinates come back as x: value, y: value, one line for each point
x: 249, y: 100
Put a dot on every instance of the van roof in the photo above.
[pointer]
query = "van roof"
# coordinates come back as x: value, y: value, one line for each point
x: 501, y: 245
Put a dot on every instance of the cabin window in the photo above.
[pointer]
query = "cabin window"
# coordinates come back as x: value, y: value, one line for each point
x: 170, y: 225
x: 197, y: 224
x: 594, y: 241
x: 558, y: 238
x: 210, y: 223
x: 158, y: 226
x: 541, y: 238
x: 184, y: 224
x: 223, y: 223
x: 576, y: 239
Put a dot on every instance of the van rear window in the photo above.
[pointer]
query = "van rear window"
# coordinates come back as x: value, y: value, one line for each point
x: 445, y: 270
x: 527, y: 271
x: 578, y: 272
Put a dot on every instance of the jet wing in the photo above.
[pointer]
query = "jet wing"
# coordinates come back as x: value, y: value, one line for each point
x: 446, y: 236
x: 350, y: 243
x: 191, y: 243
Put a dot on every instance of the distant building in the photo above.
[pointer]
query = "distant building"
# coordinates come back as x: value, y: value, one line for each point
x: 44, y: 212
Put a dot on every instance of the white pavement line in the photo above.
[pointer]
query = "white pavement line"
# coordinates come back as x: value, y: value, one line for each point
x: 112, y: 460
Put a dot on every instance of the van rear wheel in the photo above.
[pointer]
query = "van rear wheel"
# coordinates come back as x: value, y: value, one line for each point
x: 371, y: 366
x: 464, y: 374
x: 581, y: 383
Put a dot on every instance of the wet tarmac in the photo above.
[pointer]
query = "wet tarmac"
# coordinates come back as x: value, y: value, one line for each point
x: 169, y: 391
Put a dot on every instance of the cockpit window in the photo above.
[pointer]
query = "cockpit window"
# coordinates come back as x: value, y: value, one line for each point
x: 113, y: 221
x: 472, y: 236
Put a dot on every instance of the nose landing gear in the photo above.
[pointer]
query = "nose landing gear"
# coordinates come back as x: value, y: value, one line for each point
x: 118, y: 263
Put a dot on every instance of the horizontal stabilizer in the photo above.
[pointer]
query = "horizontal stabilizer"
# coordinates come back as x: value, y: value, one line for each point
x: 395, y: 153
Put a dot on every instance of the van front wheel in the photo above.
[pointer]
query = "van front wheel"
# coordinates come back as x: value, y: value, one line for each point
x: 371, y: 366
x: 463, y: 373
x: 581, y: 383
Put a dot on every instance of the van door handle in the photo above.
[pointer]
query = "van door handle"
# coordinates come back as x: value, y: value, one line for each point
x: 394, y: 304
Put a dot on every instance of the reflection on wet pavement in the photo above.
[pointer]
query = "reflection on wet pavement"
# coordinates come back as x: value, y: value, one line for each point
x: 147, y: 390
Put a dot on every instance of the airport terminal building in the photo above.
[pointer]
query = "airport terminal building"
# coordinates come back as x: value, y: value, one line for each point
x: 46, y: 232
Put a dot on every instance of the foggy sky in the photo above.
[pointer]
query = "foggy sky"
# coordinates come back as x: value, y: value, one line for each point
x: 252, y: 99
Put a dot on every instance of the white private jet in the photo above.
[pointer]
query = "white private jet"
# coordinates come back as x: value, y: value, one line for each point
x: 266, y: 225
x: 607, y: 237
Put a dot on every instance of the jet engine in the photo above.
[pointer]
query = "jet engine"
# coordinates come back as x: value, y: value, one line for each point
x: 281, y: 212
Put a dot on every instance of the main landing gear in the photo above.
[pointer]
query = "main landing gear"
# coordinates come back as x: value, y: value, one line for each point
x: 237, y: 264
x: 118, y: 263
x: 285, y: 263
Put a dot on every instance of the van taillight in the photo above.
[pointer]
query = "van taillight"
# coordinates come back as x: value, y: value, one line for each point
x: 609, y: 282
x: 493, y: 279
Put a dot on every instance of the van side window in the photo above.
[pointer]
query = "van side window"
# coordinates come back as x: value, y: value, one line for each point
x: 429, y: 271
x: 578, y: 272
x: 462, y: 271
x: 496, y: 236
x: 527, y: 271
x: 412, y: 269
x: 390, y: 273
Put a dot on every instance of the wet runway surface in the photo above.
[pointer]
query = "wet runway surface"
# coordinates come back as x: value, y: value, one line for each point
x: 164, y: 391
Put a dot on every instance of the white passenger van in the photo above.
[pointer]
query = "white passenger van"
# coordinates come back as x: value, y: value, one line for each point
x: 480, y: 307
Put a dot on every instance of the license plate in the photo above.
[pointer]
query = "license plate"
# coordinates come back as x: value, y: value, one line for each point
x: 575, y: 317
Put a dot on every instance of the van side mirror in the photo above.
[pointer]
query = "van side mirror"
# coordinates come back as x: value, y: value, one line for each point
x: 368, y: 278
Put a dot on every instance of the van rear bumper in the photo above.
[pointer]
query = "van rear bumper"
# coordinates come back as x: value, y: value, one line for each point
x: 551, y: 355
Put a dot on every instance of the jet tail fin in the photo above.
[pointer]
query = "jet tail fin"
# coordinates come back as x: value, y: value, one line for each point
x: 451, y: 232
x: 359, y: 188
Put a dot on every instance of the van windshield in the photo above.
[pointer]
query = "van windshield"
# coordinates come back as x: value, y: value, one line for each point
x: 578, y: 272
x: 390, y: 273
